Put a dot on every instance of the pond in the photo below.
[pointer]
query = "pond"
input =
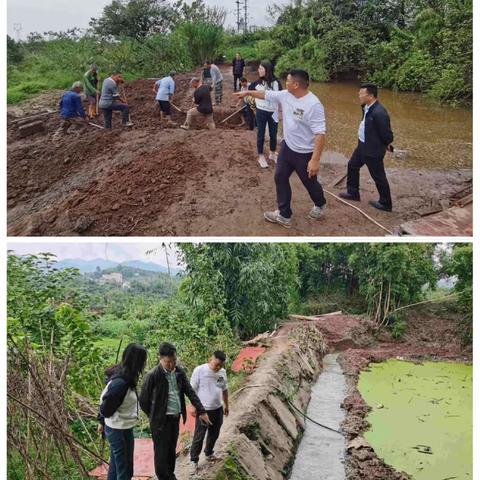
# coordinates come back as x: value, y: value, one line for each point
x: 435, y: 136
x: 421, y: 418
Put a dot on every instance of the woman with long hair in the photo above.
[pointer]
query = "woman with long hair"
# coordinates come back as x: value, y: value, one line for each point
x: 266, y: 112
x: 119, y: 410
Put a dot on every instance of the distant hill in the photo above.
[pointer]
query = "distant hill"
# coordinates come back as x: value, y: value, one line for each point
x: 150, y: 266
x: 86, y: 266
x: 90, y: 266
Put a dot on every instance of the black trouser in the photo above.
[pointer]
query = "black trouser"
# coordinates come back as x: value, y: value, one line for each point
x: 236, y: 76
x: 216, y: 417
x: 288, y: 162
x: 377, y: 172
x: 107, y: 114
x: 165, y: 107
x: 249, y: 117
x: 164, y: 446
x: 263, y: 117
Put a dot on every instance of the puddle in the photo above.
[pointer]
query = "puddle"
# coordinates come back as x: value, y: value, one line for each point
x: 421, y: 418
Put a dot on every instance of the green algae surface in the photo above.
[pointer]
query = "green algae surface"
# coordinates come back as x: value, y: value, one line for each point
x: 421, y: 418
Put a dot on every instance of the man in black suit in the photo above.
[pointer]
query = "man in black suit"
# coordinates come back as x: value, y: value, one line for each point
x: 238, y: 65
x: 374, y: 138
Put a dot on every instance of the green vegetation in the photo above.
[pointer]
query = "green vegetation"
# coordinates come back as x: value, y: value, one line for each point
x: 141, y: 38
x: 251, y: 430
x: 421, y: 46
x: 429, y: 407
x: 231, y: 468
x: 77, y: 324
x: 459, y: 265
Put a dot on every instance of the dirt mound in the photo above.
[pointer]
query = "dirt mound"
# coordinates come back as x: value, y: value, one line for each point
x: 133, y: 193
x: 145, y: 110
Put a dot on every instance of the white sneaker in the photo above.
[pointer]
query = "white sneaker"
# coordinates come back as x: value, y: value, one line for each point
x: 275, y: 217
x: 213, y: 457
x: 317, y: 212
x: 273, y: 156
x: 185, y: 127
x: 192, y: 468
x: 261, y: 160
x: 128, y: 124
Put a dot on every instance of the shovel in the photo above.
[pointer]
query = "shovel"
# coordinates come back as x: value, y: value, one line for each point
x: 125, y: 98
x: 230, y: 116
x: 176, y: 108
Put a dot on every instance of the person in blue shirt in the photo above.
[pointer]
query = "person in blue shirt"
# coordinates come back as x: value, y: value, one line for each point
x: 164, y: 90
x: 71, y: 110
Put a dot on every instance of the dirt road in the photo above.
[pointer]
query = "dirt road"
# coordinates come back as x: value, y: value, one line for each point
x: 150, y: 180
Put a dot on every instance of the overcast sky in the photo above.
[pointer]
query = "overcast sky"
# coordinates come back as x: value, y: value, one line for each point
x: 117, y: 252
x: 57, y: 15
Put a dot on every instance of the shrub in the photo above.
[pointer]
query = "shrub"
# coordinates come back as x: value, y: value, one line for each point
x: 204, y: 40
x: 310, y: 57
x: 268, y: 49
x: 417, y: 73
x: 450, y: 87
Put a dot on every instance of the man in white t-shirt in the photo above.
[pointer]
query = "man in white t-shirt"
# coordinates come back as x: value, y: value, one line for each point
x: 210, y: 384
x: 304, y: 129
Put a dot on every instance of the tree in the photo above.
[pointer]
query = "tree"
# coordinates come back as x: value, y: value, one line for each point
x: 204, y: 40
x: 251, y: 285
x: 14, y: 51
x: 135, y: 19
x: 459, y: 264
x: 392, y: 275
x: 197, y: 11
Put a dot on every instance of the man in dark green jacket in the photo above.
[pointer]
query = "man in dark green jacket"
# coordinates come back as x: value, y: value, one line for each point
x: 90, y: 86
x: 162, y: 398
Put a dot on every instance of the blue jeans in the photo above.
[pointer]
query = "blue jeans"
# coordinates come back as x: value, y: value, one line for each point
x: 121, y: 453
x: 264, y: 117
x: 107, y: 114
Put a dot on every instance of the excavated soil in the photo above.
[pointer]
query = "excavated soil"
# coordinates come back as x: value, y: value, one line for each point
x: 150, y: 180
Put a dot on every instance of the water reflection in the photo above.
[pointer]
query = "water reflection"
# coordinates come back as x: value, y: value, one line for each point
x: 435, y: 136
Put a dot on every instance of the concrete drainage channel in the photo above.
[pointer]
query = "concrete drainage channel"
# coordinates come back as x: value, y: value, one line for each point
x: 321, y: 452
x: 267, y: 436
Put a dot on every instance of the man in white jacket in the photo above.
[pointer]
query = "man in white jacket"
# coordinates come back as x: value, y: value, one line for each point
x: 210, y: 384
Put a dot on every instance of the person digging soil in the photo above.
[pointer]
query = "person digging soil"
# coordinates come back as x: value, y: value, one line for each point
x: 203, y: 109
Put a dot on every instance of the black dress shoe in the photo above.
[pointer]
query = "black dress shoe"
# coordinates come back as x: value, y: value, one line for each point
x: 380, y: 206
x: 349, y: 196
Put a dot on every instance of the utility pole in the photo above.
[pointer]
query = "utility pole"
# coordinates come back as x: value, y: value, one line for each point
x: 245, y: 24
x: 238, y: 15
x: 17, y: 27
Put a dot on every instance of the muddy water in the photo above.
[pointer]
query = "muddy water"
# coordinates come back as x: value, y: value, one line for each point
x: 434, y: 136
x: 321, y: 452
x: 421, y: 418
